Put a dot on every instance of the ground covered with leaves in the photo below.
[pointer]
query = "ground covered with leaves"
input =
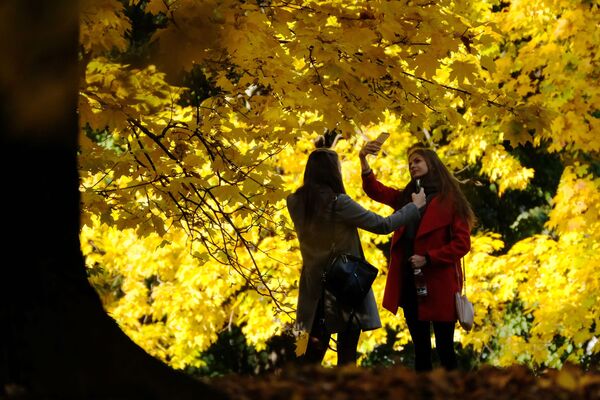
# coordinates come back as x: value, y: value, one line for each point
x: 514, y: 383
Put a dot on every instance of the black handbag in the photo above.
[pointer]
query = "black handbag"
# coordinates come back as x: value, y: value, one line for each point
x: 348, y: 277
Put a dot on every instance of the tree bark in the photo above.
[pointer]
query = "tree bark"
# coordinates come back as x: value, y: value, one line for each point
x: 56, y: 341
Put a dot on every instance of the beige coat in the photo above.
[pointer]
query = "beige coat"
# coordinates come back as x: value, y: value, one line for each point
x: 349, y: 215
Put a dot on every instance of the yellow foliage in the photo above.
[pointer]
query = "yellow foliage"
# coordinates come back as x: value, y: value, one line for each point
x: 577, y: 203
x: 185, y: 230
x: 102, y: 26
x: 505, y: 169
x: 551, y: 49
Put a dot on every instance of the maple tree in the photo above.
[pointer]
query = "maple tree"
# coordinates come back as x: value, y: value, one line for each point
x: 196, y: 119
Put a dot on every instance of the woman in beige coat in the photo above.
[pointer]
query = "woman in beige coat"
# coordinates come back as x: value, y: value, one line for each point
x: 312, y: 210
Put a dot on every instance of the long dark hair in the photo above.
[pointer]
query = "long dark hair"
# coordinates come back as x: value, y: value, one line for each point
x: 322, y: 182
x: 446, y: 185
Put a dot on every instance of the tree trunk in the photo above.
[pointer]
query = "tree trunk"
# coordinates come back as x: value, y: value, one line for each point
x: 56, y: 341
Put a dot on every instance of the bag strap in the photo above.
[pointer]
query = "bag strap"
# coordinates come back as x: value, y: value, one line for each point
x: 464, y: 275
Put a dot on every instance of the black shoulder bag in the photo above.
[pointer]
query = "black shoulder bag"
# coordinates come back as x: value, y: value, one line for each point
x: 347, y: 277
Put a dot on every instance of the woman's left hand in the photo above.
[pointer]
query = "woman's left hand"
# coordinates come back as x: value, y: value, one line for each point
x: 417, y: 261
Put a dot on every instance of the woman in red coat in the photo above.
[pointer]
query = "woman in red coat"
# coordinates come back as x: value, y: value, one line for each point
x: 435, y: 244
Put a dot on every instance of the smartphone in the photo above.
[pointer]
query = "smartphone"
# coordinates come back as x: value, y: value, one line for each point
x: 382, y: 137
x: 418, y: 185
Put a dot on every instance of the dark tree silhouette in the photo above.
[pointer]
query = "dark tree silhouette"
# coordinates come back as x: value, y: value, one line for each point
x: 56, y: 341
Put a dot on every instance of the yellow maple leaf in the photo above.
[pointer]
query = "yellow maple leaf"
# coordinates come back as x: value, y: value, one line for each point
x: 302, y: 343
x: 463, y: 70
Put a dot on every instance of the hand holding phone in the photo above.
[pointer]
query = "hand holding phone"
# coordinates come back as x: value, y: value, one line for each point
x: 372, y: 147
x: 383, y: 136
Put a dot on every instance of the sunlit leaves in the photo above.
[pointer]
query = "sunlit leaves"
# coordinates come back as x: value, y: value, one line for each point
x: 184, y: 223
x: 550, y: 48
x: 169, y: 297
x: 505, y: 169
x: 113, y: 93
x: 577, y: 203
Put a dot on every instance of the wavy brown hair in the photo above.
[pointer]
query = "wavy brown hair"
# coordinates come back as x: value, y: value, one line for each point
x: 447, y: 185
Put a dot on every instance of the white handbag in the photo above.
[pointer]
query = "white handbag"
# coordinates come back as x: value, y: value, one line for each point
x: 464, y: 308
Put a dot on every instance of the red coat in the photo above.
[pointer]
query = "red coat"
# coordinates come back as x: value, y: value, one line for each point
x: 443, y: 237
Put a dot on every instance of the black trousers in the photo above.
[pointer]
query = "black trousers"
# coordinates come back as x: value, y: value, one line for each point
x: 420, y: 332
x: 318, y: 342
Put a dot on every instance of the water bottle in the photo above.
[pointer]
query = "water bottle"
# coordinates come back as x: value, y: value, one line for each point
x: 420, y: 283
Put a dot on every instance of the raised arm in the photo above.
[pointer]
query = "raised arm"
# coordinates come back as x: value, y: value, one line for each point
x: 372, y: 187
x: 350, y: 212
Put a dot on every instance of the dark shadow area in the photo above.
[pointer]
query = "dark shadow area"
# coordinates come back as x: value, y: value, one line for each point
x: 56, y: 341
x: 232, y: 354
